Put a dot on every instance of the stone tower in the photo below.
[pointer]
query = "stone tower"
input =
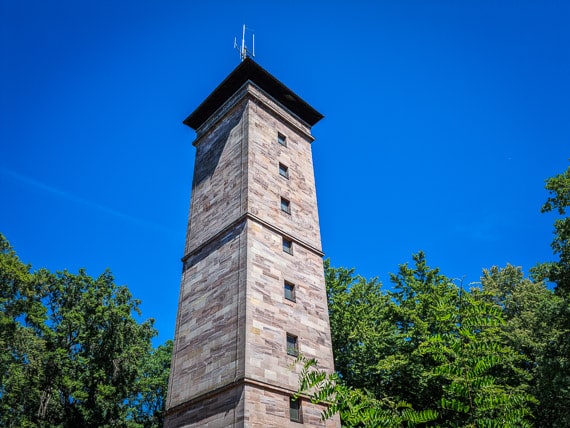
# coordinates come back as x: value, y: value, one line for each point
x: 252, y: 292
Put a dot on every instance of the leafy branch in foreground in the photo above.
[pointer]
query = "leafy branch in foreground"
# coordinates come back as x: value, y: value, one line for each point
x: 356, y: 407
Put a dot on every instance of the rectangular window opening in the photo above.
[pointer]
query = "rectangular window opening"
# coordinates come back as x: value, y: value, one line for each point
x: 295, y: 409
x: 289, y: 291
x: 282, y: 139
x: 285, y: 205
x: 292, y: 345
x: 283, y: 170
x: 287, y: 246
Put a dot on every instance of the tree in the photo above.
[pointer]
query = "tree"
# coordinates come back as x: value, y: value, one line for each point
x: 424, y: 304
x: 22, y: 348
x: 530, y: 311
x: 559, y: 200
x: 428, y: 352
x: 365, y: 342
x: 450, y: 343
x: 470, y: 358
x: 96, y: 345
x: 147, y: 403
x: 71, y: 347
x: 361, y: 328
x: 554, y: 370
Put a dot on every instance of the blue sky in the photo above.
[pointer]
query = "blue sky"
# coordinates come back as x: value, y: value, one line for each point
x: 442, y: 121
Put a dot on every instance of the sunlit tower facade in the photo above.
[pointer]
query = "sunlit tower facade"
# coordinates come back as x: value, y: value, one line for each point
x: 252, y: 293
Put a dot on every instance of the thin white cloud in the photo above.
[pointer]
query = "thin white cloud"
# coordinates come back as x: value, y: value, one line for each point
x: 78, y: 200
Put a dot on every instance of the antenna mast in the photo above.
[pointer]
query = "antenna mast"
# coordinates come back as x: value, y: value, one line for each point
x: 243, y: 50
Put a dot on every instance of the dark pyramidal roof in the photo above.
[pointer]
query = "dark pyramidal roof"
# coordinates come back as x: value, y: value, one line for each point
x: 250, y: 70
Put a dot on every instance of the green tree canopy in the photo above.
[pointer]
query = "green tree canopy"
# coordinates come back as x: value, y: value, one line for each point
x: 72, y: 350
x: 553, y: 377
x: 428, y: 352
x: 431, y: 352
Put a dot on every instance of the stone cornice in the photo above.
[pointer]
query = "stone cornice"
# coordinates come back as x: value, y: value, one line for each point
x: 242, y: 381
x: 244, y: 217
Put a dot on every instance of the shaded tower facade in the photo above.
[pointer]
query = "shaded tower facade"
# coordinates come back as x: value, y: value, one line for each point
x: 252, y: 292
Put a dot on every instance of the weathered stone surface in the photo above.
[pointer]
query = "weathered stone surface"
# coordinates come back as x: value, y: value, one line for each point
x: 266, y: 186
x: 209, y: 343
x: 230, y: 365
x: 219, y: 187
x: 220, y: 410
x: 269, y: 316
x: 270, y: 409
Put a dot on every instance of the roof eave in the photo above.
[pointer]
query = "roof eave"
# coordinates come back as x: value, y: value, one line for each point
x: 250, y: 70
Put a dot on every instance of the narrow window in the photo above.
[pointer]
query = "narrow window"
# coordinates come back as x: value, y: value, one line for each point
x: 283, y: 170
x: 285, y: 205
x: 282, y: 139
x: 289, y: 291
x: 295, y: 409
x: 287, y: 246
x: 292, y: 345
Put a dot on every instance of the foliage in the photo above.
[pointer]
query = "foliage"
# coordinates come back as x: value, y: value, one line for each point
x: 71, y: 349
x: 559, y: 200
x: 21, y: 346
x: 427, y: 353
x: 361, y: 328
x: 553, y: 379
x: 530, y: 313
x: 468, y: 356
x: 424, y: 305
x: 479, y: 357
x: 357, y: 407
x: 149, y: 396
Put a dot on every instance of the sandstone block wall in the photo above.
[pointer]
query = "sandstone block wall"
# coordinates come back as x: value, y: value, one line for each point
x: 270, y: 409
x: 230, y: 365
x: 266, y: 186
x: 270, y: 316
x: 221, y: 410
x: 219, y: 186
x: 210, y: 334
